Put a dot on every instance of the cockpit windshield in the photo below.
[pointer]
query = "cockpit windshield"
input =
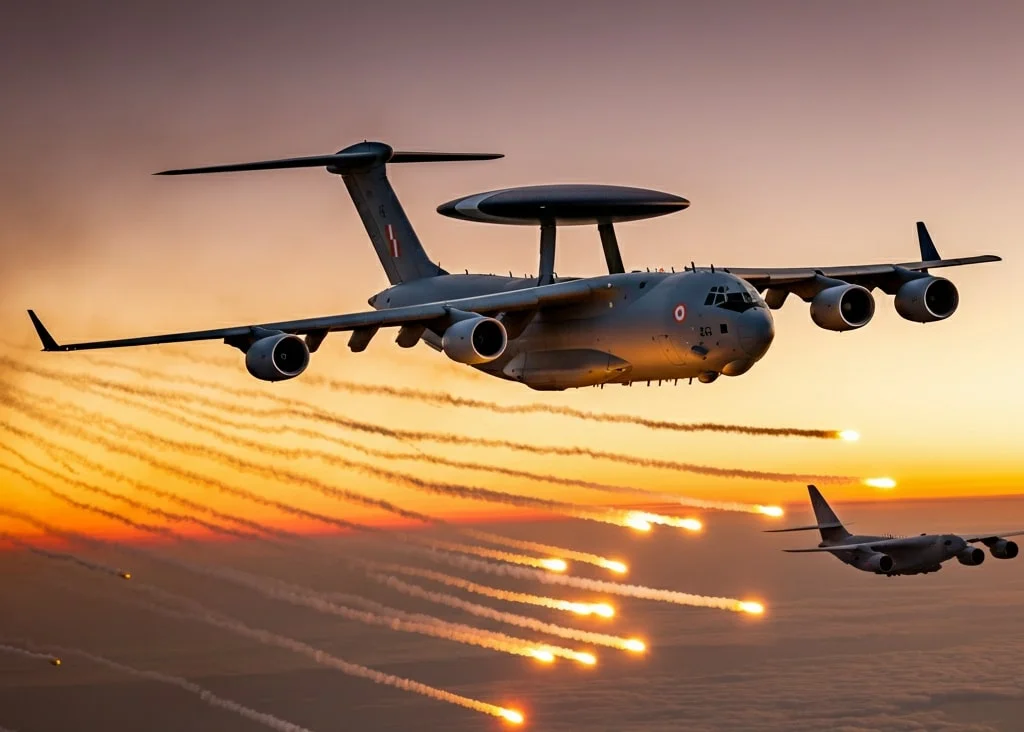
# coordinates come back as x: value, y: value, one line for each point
x: 736, y: 301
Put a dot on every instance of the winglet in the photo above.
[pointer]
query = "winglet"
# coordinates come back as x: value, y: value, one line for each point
x: 49, y: 344
x: 928, y: 251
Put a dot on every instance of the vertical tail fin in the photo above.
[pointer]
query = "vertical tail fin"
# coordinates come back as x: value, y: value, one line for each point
x: 362, y: 167
x: 399, y: 249
x: 829, y: 525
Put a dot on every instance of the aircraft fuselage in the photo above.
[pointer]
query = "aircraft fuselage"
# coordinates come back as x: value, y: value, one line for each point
x: 649, y: 326
x: 914, y: 555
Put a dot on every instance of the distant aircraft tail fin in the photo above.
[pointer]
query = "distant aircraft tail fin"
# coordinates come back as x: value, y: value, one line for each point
x: 829, y: 525
x: 362, y: 167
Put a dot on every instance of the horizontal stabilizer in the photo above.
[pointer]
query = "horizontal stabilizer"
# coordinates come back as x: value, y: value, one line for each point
x: 353, y: 159
x: 812, y: 527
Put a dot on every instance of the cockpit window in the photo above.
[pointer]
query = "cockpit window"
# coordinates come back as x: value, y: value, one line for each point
x: 736, y: 301
x: 717, y: 295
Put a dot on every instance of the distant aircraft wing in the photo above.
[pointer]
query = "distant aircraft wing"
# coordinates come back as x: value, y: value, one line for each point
x: 876, y: 546
x: 529, y: 298
x: 884, y: 276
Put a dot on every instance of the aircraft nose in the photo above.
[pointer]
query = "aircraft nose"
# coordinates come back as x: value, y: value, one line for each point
x: 756, y: 330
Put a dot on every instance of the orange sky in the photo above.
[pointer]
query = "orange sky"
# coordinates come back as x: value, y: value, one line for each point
x: 800, y: 137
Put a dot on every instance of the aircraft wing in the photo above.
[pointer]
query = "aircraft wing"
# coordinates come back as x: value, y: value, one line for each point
x: 867, y: 275
x: 513, y: 300
x: 876, y: 546
x: 990, y: 537
x: 888, y: 277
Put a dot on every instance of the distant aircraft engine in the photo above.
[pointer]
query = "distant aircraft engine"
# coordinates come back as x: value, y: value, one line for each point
x: 475, y: 340
x: 878, y: 562
x: 843, y: 307
x: 927, y: 299
x: 1003, y: 549
x: 972, y: 556
x: 277, y: 357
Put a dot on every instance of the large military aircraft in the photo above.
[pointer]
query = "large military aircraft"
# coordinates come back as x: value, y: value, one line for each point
x: 892, y: 556
x: 552, y: 332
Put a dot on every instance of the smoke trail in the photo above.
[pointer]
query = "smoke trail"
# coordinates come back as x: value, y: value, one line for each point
x: 442, y: 461
x: 611, y: 516
x: 314, y: 413
x: 444, y: 399
x: 168, y: 515
x: 63, y: 556
x: 391, y: 618
x: 614, y: 588
x: 207, y: 482
x: 554, y: 603
x: 60, y: 496
x: 28, y: 654
x: 584, y: 636
x: 550, y: 563
x: 267, y: 720
x: 56, y: 451
x: 196, y: 611
x: 448, y: 400
x: 532, y: 546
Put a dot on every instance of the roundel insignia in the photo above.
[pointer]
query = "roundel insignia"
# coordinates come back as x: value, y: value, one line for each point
x: 680, y: 313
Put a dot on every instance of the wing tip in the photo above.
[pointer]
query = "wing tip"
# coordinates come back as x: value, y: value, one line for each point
x: 47, y: 340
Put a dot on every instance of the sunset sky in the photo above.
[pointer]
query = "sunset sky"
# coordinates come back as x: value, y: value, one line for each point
x: 803, y: 134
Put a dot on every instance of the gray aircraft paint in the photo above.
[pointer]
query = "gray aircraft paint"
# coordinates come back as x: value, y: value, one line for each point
x: 563, y: 332
x: 908, y: 555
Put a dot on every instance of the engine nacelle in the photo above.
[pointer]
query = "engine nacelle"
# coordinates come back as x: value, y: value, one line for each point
x: 1003, y: 549
x: 927, y: 299
x: 972, y: 556
x: 878, y: 563
x: 475, y: 340
x: 277, y: 357
x: 843, y: 307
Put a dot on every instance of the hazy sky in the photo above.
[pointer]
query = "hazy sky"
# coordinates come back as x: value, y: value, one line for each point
x: 802, y: 133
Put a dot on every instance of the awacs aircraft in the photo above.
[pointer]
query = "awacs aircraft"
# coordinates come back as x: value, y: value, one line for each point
x: 893, y: 556
x: 552, y: 332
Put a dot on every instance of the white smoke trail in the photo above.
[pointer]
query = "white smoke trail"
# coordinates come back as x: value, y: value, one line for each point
x: 26, y: 653
x: 579, y: 608
x: 62, y: 556
x: 614, y: 588
x: 522, y: 621
x: 267, y: 720
x: 393, y: 619
x: 196, y: 611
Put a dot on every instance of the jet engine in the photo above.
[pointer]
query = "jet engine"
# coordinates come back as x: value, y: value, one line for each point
x: 972, y: 556
x: 927, y: 299
x: 843, y: 307
x: 878, y: 563
x: 277, y: 357
x: 1003, y: 549
x: 475, y: 340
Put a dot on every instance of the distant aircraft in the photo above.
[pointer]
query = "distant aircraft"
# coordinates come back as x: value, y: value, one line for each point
x: 551, y: 332
x: 893, y: 556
